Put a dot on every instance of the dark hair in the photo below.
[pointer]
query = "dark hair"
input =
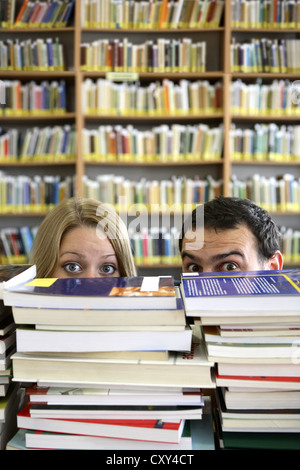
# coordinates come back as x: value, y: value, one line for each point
x: 224, y: 213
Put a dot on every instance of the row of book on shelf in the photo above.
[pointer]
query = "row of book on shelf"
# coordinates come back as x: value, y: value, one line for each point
x: 32, y: 54
x: 273, y: 193
x: 38, y: 144
x: 186, y: 97
x: 162, y: 143
x: 265, y: 142
x: 25, y: 193
x: 160, y: 55
x: 259, y: 98
x: 265, y: 55
x: 156, y: 245
x: 46, y: 97
x: 265, y: 14
x: 103, y: 96
x: 240, y: 338
x: 141, y: 389
x: 151, y: 14
x: 41, y: 14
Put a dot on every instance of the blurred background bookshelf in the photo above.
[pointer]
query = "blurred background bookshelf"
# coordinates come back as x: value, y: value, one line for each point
x: 167, y: 103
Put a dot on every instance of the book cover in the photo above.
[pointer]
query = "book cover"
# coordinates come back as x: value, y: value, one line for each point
x: 114, y: 292
x: 243, y: 290
x: 11, y: 274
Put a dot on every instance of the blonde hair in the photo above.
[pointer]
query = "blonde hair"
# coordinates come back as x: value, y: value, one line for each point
x: 76, y: 212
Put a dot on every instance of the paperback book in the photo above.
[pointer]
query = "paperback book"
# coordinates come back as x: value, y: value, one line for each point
x: 273, y: 291
x: 110, y: 293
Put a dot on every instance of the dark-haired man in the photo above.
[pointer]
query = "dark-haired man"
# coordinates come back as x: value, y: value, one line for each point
x: 237, y: 235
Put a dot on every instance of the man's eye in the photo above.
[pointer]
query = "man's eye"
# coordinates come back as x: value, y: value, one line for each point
x: 72, y: 267
x: 229, y: 267
x: 194, y: 268
x: 108, y: 269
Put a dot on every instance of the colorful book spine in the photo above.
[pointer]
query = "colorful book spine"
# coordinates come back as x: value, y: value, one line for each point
x: 174, y: 143
x: 158, y: 245
x: 30, y: 55
x: 22, y: 193
x: 43, y: 14
x: 48, y: 144
x: 263, y: 99
x: 273, y: 193
x: 104, y: 97
x: 33, y: 98
x: 290, y: 244
x: 265, y: 14
x: 167, y: 195
x: 176, y: 14
x: 266, y: 55
x: 265, y: 142
x: 162, y: 55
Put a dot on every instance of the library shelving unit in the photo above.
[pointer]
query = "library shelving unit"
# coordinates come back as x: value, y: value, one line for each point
x: 85, y: 108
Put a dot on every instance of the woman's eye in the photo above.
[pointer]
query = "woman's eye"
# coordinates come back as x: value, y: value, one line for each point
x: 108, y: 269
x: 72, y: 267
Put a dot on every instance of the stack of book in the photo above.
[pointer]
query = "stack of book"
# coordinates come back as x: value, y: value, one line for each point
x: 9, y: 391
x: 114, y: 360
x: 251, y: 326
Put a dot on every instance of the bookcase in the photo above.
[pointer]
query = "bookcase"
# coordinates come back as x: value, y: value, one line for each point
x: 161, y: 132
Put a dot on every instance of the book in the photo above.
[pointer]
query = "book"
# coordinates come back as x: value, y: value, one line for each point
x: 249, y: 399
x: 149, y: 430
x: 107, y: 412
x: 114, y: 292
x: 191, y: 369
x: 102, y: 317
x: 111, y: 396
x: 33, y: 340
x: 274, y: 291
x: 12, y: 274
x: 8, y: 401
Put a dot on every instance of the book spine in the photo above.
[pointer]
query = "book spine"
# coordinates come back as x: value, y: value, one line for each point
x: 161, y: 14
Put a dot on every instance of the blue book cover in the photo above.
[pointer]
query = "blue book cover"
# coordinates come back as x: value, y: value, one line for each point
x: 113, y: 292
x: 244, y: 290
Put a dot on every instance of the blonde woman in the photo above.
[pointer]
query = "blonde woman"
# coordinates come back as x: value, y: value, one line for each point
x: 82, y: 238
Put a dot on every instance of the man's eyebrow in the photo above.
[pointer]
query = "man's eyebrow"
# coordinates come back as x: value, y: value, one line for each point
x: 219, y: 256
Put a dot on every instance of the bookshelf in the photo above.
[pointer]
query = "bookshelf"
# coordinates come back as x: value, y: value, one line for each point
x: 183, y: 131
